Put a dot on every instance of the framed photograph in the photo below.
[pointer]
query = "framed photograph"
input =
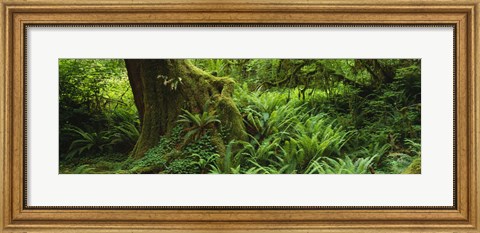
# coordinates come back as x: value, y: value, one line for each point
x: 296, y: 116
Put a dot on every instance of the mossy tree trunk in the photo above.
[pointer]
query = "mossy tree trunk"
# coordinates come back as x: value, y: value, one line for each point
x: 163, y: 87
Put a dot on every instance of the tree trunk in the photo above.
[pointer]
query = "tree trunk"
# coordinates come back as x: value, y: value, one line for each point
x: 163, y: 87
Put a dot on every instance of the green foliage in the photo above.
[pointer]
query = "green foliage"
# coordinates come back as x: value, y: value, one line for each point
x: 156, y: 159
x: 415, y: 167
x: 101, y: 164
x: 200, y: 154
x: 342, y: 166
x: 197, y: 123
x: 172, y: 156
x: 407, y: 162
x: 205, y: 162
x: 153, y: 162
x: 97, y: 113
x: 126, y: 134
x: 120, y: 138
x: 89, y: 83
x: 229, y: 163
x: 83, y: 169
x: 87, y: 142
x: 322, y: 116
x: 182, y: 166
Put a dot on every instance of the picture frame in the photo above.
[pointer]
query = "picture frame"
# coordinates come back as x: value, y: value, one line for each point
x: 17, y: 216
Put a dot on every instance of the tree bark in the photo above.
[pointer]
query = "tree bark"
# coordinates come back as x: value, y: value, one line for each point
x: 163, y: 87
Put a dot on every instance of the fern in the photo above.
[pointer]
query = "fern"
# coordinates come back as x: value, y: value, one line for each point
x: 230, y: 163
x: 197, y: 124
x: 346, y: 165
x: 125, y: 133
x: 86, y: 142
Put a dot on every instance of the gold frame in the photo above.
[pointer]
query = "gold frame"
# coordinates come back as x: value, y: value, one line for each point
x: 16, y: 14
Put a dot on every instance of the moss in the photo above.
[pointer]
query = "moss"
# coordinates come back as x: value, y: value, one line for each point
x: 415, y: 167
x: 217, y: 141
x: 231, y: 119
x: 106, y: 166
x: 122, y: 172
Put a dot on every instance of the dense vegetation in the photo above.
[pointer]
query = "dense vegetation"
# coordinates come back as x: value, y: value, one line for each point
x: 298, y: 116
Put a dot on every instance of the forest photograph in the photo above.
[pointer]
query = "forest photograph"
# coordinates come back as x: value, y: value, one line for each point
x: 239, y: 116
